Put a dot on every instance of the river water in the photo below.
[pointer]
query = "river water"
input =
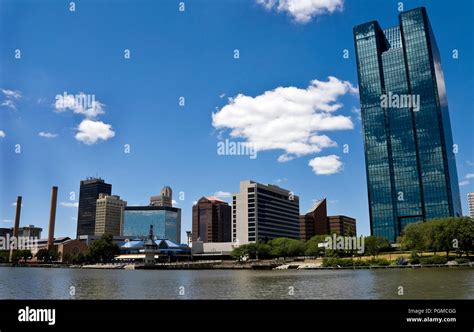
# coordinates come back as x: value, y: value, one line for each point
x: 59, y: 283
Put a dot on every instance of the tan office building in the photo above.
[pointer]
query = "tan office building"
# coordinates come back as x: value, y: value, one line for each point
x: 109, y: 215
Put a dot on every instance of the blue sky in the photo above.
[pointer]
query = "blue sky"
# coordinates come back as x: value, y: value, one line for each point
x: 190, y: 54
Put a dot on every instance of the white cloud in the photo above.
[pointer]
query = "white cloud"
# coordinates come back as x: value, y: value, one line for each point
x: 174, y: 203
x: 10, y: 97
x: 47, y: 135
x: 302, y: 11
x: 90, y: 132
x: 2, y: 134
x: 469, y: 176
x: 464, y: 183
x: 70, y: 204
x: 10, y: 104
x: 222, y: 194
x: 288, y: 118
x: 326, y: 165
x: 6, y: 221
x: 356, y: 111
x: 80, y: 104
x: 11, y: 94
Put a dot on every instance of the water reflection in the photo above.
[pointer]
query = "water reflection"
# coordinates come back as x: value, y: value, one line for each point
x: 38, y: 283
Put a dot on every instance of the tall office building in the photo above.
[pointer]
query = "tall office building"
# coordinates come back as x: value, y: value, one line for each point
x: 88, y: 195
x: 315, y: 221
x: 109, y: 215
x: 211, y: 220
x: 166, y: 222
x: 470, y: 203
x: 264, y: 212
x: 342, y: 225
x: 410, y: 164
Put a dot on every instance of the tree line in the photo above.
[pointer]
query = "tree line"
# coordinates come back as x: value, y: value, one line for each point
x: 448, y: 235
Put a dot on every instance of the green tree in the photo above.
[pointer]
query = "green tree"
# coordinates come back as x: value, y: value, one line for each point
x: 312, y: 246
x: 435, y: 235
x: 412, y: 237
x: 46, y: 256
x: 238, y: 253
x: 285, y: 247
x: 373, y: 245
x: 4, y: 256
x: 104, y: 249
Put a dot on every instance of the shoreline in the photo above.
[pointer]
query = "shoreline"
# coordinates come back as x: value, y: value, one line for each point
x: 219, y: 266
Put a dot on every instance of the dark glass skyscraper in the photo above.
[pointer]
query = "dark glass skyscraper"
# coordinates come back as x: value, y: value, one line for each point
x: 410, y: 164
x: 88, y: 195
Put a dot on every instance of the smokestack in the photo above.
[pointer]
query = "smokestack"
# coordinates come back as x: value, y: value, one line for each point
x: 16, y: 226
x: 52, y: 216
x: 17, y: 217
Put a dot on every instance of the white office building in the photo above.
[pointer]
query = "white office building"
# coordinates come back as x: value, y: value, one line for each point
x: 264, y: 212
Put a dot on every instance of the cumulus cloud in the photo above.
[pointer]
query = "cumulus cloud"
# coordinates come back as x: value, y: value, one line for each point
x: 288, y: 118
x: 47, y: 135
x: 80, y: 104
x: 90, y: 132
x: 10, y: 98
x: 2, y: 134
x: 303, y: 11
x: 326, y: 165
x: 70, y: 204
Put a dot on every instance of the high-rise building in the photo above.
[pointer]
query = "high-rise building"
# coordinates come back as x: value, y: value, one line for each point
x: 470, y: 203
x: 211, y: 220
x: 264, y: 212
x: 342, y: 225
x: 164, y: 199
x: 166, y: 222
x: 88, y: 195
x: 410, y: 164
x: 315, y: 221
x: 109, y: 215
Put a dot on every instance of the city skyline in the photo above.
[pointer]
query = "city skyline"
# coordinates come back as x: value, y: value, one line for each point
x: 140, y: 99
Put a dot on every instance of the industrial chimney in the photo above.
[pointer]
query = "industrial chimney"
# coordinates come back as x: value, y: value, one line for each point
x: 17, y: 217
x: 52, y: 216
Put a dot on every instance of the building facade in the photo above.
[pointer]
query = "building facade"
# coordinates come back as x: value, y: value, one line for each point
x: 166, y: 222
x: 109, y: 215
x: 410, y: 164
x: 165, y: 198
x: 315, y: 221
x: 264, y: 212
x: 88, y: 195
x: 211, y: 220
x: 342, y: 225
x: 30, y: 231
x: 470, y: 203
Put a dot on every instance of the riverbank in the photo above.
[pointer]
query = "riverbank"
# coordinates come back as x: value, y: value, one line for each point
x: 231, y: 265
